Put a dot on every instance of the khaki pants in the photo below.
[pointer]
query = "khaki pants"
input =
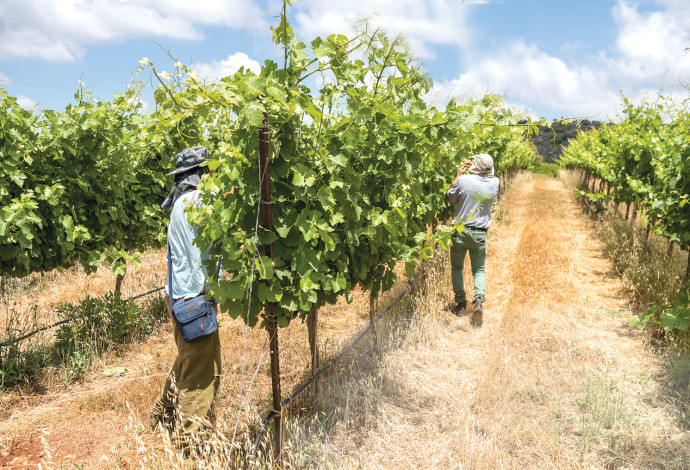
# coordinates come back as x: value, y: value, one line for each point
x: 191, y: 385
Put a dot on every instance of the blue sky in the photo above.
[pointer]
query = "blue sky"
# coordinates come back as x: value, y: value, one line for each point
x: 548, y: 58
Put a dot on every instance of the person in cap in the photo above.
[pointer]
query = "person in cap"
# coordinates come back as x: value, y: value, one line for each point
x: 473, y: 192
x: 184, y: 404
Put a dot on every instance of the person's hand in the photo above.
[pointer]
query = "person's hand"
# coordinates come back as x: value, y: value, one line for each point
x: 465, y: 166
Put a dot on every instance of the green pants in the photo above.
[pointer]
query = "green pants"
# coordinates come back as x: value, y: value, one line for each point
x: 474, y: 241
x: 191, y: 385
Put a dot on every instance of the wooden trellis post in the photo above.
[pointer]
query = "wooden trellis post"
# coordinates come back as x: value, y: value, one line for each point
x: 434, y: 224
x: 373, y: 304
x: 267, y: 213
x: 312, y: 327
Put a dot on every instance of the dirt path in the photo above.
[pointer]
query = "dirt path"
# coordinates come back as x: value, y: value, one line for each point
x: 554, y: 378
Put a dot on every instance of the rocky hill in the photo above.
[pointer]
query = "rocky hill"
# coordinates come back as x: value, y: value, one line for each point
x: 550, y: 141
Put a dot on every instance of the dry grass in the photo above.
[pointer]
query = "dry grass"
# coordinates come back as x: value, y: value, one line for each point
x: 554, y: 378
x: 103, y: 421
x: 651, y: 274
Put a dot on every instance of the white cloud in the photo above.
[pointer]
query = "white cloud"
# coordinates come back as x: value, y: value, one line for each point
x: 423, y: 23
x: 573, y: 46
x: 523, y: 73
x: 59, y: 30
x: 651, y: 46
x: 217, y: 70
x: 649, y: 54
x: 26, y: 102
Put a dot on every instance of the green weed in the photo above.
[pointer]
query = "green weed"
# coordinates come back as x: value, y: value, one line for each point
x: 678, y: 390
x: 603, y: 403
x: 19, y: 361
x: 94, y: 325
x: 19, y: 365
x: 549, y: 169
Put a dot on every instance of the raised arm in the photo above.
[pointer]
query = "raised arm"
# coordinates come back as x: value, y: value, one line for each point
x: 461, y: 171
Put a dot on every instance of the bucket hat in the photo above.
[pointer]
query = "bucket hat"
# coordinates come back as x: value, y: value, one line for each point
x: 189, y: 158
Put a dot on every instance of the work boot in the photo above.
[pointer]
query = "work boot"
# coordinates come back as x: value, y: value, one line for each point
x: 478, y: 312
x: 167, y: 420
x: 460, y: 309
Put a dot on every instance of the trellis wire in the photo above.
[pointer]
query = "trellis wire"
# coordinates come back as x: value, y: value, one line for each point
x: 67, y: 320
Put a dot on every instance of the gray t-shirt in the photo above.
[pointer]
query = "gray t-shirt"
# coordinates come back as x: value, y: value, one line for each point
x: 473, y: 195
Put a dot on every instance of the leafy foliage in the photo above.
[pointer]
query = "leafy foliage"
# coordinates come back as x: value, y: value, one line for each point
x: 550, y: 169
x: 97, y: 324
x: 646, y: 161
x: 358, y: 169
x: 84, y: 184
x: 678, y: 316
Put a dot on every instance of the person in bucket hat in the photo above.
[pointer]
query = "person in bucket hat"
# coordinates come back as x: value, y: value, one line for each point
x: 184, y: 404
x: 473, y: 192
x: 187, y: 173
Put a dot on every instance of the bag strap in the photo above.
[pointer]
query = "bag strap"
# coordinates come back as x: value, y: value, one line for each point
x: 170, y: 282
x: 170, y: 276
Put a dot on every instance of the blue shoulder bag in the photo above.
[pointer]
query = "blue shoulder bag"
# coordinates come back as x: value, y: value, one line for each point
x: 196, y: 317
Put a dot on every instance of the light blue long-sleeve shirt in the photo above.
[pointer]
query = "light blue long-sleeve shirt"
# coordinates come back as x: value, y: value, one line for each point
x: 189, y: 272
